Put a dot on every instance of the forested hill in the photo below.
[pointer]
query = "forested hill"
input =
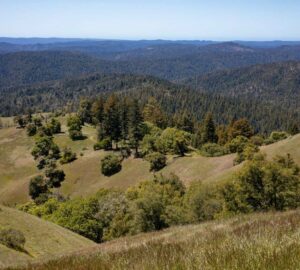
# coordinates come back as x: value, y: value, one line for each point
x: 34, y: 67
x: 174, y: 62
x: 277, y: 83
x: 173, y: 98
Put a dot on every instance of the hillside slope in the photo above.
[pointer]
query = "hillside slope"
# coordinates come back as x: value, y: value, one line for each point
x: 257, y: 241
x: 83, y: 176
x: 276, y: 83
x: 43, y: 239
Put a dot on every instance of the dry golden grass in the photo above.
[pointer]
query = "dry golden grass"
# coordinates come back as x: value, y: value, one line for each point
x: 257, y: 241
x: 43, y: 239
x: 83, y: 176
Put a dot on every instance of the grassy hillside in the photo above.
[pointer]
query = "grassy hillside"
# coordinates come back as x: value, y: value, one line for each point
x: 43, y: 239
x: 257, y: 241
x: 83, y: 176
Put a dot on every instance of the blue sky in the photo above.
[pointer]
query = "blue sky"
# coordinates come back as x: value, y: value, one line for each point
x: 165, y: 19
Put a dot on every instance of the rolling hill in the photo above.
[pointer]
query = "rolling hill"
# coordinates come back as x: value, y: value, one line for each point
x: 43, y: 239
x: 277, y: 83
x: 256, y: 241
x: 83, y: 176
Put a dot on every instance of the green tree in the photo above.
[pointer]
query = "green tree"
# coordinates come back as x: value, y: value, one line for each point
x: 240, y: 127
x: 75, y: 125
x: 173, y: 141
x: 209, y: 131
x: 157, y: 161
x: 264, y: 185
x: 85, y: 111
x: 110, y: 165
x: 37, y: 186
x: 135, y: 126
x: 112, y: 123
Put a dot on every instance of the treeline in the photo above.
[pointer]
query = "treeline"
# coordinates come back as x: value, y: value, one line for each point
x: 65, y: 96
x: 261, y: 185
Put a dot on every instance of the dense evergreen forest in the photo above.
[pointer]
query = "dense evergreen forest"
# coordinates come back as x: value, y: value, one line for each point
x: 65, y: 96
x: 43, y: 79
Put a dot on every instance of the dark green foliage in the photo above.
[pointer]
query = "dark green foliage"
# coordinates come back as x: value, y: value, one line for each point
x: 184, y: 121
x: 213, y: 150
x: 135, y: 126
x: 110, y: 165
x: 157, y: 161
x: 112, y: 122
x: 12, y: 238
x: 20, y: 121
x: 67, y: 156
x: 37, y: 186
x: 54, y: 177
x: 105, y: 144
x: 209, y: 131
x: 31, y: 129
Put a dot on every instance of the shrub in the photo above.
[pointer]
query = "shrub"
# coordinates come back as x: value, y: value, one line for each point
x: 104, y: 144
x: 54, y: 126
x: 67, y: 156
x: 157, y: 161
x: 213, y: 150
x: 278, y: 136
x: 75, y: 135
x: 238, y: 144
x: 257, y: 140
x: 12, y: 238
x: 31, y: 129
x: 110, y: 165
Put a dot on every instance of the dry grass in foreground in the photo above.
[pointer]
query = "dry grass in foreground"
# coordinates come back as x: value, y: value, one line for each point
x: 257, y: 241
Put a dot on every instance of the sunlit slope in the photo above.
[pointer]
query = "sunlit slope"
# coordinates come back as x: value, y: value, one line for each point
x: 256, y: 241
x: 83, y: 176
x: 43, y: 239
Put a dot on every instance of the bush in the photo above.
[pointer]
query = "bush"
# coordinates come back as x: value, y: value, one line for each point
x: 12, y: 239
x: 75, y: 135
x: 257, y: 140
x: 54, y: 126
x: 157, y: 161
x: 238, y: 144
x: 104, y: 144
x: 213, y: 150
x: 110, y: 165
x: 31, y: 129
x: 67, y: 156
x: 278, y: 136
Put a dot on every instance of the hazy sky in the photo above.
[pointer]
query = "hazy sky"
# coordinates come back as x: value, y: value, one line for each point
x: 139, y: 19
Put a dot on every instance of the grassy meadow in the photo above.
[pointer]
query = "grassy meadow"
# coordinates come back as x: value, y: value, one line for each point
x: 251, y: 242
x: 83, y: 176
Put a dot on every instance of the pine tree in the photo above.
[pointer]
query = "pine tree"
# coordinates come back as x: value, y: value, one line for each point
x: 112, y: 123
x: 135, y: 125
x: 209, y: 131
x: 98, y: 111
